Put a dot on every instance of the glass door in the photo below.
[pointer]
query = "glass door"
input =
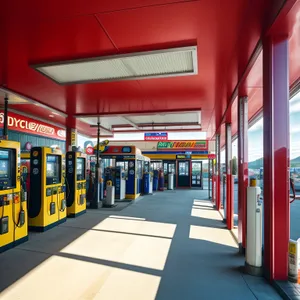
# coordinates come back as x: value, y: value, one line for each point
x: 184, y: 175
x: 169, y: 167
x: 197, y: 174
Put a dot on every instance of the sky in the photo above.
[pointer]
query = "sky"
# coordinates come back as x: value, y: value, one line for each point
x: 255, y: 135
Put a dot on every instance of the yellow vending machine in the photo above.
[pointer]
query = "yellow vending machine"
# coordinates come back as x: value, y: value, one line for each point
x: 47, y: 205
x: 13, y: 205
x: 76, y: 183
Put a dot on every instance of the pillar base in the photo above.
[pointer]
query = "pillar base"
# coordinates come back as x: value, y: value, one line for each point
x: 95, y: 205
x: 254, y: 271
x: 242, y: 250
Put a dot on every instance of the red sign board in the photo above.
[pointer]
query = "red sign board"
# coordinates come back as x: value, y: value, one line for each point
x: 211, y: 156
x: 155, y: 136
x: 27, y: 125
x: 89, y: 150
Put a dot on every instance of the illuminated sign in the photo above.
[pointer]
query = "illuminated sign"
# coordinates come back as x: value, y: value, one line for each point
x: 73, y: 137
x: 89, y: 150
x: 155, y: 136
x: 27, y: 125
x: 194, y: 145
x: 183, y: 156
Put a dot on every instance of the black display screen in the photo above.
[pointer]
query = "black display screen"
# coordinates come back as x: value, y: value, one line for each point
x: 7, y: 168
x: 80, y: 168
x: 53, y: 169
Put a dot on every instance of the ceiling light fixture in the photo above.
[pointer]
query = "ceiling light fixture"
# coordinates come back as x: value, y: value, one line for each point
x: 141, y: 65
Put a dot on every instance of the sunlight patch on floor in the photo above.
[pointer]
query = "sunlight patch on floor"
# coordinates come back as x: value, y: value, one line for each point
x: 205, y: 214
x: 127, y: 218
x: 204, y: 209
x: 64, y: 278
x: 143, y: 251
x: 205, y: 203
x: 128, y: 285
x: 214, y: 235
x: 137, y: 226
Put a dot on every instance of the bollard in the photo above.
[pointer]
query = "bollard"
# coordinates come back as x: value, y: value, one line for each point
x: 294, y: 261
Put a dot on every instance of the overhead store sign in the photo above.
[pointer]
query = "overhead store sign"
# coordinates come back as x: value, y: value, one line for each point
x: 27, y: 125
x: 193, y: 145
x: 155, y: 136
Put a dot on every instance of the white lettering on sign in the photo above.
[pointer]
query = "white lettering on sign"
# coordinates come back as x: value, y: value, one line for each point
x: 61, y: 133
x: 32, y: 126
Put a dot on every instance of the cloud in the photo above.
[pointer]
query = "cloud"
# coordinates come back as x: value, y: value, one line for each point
x: 257, y: 126
x: 295, y: 128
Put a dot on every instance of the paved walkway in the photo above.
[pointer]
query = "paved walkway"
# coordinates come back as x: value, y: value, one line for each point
x: 172, y: 245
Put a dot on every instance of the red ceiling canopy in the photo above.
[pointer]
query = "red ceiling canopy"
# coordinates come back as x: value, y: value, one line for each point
x: 225, y: 32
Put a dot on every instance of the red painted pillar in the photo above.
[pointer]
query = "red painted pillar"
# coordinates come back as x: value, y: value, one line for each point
x: 213, y: 194
x: 229, y: 179
x: 276, y: 157
x: 218, y: 172
x: 71, y: 133
x: 242, y: 171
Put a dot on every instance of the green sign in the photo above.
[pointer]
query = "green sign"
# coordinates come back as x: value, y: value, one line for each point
x: 196, y: 145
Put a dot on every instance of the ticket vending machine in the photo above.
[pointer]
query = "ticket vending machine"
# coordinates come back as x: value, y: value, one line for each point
x: 13, y: 205
x: 76, y: 183
x: 47, y: 205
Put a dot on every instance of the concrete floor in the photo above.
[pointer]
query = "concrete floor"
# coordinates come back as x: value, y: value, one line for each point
x: 171, y: 245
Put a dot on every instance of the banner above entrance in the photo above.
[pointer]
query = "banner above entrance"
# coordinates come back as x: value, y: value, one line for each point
x: 27, y: 125
x: 186, y: 145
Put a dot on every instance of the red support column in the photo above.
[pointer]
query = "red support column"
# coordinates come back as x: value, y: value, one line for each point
x: 276, y: 158
x: 229, y: 179
x: 242, y: 171
x: 218, y: 170
x: 213, y: 179
x: 71, y: 133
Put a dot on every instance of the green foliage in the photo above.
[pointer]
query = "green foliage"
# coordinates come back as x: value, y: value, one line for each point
x: 234, y: 166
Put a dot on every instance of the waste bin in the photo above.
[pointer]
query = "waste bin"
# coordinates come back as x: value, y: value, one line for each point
x: 171, y: 181
x: 110, y: 196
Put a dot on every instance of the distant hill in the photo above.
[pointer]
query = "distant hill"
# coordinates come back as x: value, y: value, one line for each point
x: 295, y: 163
x: 259, y: 163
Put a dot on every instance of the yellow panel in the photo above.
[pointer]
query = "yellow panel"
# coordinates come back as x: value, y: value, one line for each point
x: 161, y: 156
x: 80, y: 189
x: 44, y: 219
x: 199, y: 157
x: 14, y: 205
x: 25, y: 155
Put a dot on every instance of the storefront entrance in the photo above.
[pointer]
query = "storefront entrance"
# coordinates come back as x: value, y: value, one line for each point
x: 197, y: 178
x: 184, y: 175
x: 169, y: 167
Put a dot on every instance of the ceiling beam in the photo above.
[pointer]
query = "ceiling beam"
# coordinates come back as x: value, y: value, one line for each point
x: 130, y: 122
x: 141, y: 125
x: 103, y: 128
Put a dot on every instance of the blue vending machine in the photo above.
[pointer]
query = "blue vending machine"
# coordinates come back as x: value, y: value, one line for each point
x: 155, y: 180
x: 148, y: 184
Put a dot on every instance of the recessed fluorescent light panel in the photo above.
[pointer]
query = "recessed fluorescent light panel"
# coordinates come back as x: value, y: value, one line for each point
x: 152, y: 64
